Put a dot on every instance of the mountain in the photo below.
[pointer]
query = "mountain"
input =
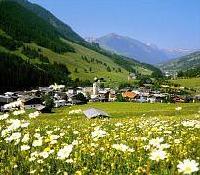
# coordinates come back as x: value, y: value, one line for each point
x: 61, y: 27
x: 184, y: 63
x: 33, y: 52
x: 176, y: 53
x: 148, y: 53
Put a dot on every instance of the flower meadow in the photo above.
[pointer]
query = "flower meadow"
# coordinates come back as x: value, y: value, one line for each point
x: 68, y: 143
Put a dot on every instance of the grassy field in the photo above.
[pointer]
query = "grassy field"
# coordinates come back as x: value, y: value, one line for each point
x: 86, y: 70
x: 137, y: 139
x: 193, y: 83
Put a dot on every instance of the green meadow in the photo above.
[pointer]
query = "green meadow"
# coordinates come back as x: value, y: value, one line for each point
x: 126, y: 109
x: 193, y: 83
x: 141, y: 139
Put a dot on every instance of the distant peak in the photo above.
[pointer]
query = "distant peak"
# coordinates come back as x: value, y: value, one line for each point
x: 113, y: 34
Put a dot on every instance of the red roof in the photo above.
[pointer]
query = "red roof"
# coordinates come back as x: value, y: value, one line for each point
x: 129, y: 94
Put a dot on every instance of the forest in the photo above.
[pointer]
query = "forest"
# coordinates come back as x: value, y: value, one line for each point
x: 19, y: 23
x: 17, y: 73
x: 194, y: 72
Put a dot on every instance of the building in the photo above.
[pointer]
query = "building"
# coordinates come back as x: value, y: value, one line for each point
x: 31, y: 102
x: 96, y: 86
x: 129, y: 95
x: 132, y: 76
x: 5, y: 100
x: 94, y: 113
x: 59, y: 103
x: 112, y: 96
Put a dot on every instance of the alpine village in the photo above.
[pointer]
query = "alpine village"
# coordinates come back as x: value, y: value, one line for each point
x: 73, y: 105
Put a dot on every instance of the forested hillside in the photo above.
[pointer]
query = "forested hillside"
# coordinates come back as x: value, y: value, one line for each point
x: 23, y: 25
x: 61, y: 27
x: 28, y: 39
x: 184, y: 63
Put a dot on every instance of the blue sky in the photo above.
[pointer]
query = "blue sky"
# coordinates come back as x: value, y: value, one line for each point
x: 166, y: 23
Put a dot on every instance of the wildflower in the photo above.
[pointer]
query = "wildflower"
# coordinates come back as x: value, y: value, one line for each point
x: 54, y: 137
x: 18, y: 112
x: 34, y: 115
x: 190, y: 123
x: 40, y: 161
x: 62, y: 134
x: 178, y: 108
x: 25, y: 147
x: 177, y: 141
x: 158, y: 155
x: 78, y: 111
x: 94, y: 145
x: 122, y: 147
x: 53, y: 142
x: 118, y: 124
x: 14, y: 136
x: 44, y: 154
x: 5, y: 132
x: 78, y: 173
x: 49, y: 132
x: 75, y: 132
x: 188, y: 166
x: 37, y: 143
x: 31, y: 159
x: 75, y: 142
x: 25, y: 124
x: 98, y: 133
x: 69, y: 161
x: 156, y: 142
x: 25, y: 138
x: 15, y: 124
x: 4, y: 116
x: 37, y: 135
x: 163, y: 146
x: 32, y: 171
x: 64, y: 152
x: 15, y: 166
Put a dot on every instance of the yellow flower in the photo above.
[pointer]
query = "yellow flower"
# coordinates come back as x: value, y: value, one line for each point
x: 47, y: 149
x: 78, y: 173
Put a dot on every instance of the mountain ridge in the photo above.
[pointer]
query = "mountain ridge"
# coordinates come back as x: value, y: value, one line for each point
x: 184, y: 63
x: 143, y: 52
x: 39, y: 46
x: 61, y: 27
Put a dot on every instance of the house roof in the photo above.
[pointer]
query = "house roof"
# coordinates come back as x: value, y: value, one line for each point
x: 93, y: 113
x: 5, y: 99
x: 129, y: 94
x: 39, y: 107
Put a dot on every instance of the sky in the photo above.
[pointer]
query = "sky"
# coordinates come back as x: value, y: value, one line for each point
x: 166, y: 23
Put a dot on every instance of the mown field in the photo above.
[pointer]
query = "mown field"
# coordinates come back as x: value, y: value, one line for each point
x: 157, y: 139
x: 193, y: 83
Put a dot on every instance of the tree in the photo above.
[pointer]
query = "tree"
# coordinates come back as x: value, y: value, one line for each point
x: 49, y: 103
x: 120, y: 98
x: 81, y: 97
x: 75, y: 70
x: 108, y: 69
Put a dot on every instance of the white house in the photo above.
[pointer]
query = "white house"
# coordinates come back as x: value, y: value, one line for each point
x: 59, y: 103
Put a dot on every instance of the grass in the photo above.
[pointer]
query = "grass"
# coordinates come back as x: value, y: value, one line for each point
x: 63, y: 143
x: 126, y: 109
x: 74, y: 61
x: 193, y: 83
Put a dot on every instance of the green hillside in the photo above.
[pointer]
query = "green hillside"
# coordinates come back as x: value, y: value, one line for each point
x: 40, y: 46
x: 193, y: 83
x: 62, y: 28
x: 184, y: 63
x: 25, y: 26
